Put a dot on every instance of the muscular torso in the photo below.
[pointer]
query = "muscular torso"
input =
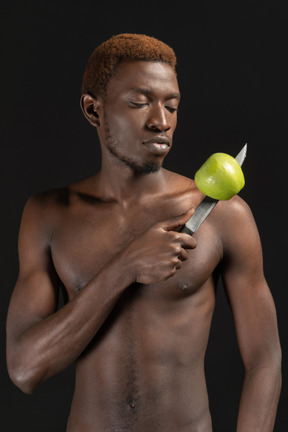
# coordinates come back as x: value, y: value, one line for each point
x: 144, y: 369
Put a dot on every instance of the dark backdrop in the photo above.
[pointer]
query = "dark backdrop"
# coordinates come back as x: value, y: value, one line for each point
x: 231, y: 69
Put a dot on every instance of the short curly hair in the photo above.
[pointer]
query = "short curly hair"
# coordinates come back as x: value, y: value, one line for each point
x: 105, y: 59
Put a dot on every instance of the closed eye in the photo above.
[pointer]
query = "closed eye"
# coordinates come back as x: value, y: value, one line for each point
x: 171, y: 109
x: 137, y: 104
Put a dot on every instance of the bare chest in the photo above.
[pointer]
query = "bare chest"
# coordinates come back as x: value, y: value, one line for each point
x: 84, y: 241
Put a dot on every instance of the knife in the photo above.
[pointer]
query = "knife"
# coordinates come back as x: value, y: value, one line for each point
x: 207, y: 205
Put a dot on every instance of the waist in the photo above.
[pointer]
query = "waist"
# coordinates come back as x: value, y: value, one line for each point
x: 138, y: 400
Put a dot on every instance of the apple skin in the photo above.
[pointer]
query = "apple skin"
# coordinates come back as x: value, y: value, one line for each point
x: 220, y: 177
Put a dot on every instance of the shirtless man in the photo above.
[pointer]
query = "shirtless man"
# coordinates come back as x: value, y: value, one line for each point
x: 140, y: 294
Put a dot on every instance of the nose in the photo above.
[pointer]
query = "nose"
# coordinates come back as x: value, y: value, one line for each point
x: 158, y: 119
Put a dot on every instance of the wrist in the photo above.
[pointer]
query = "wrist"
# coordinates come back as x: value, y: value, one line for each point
x: 127, y: 267
x: 121, y: 269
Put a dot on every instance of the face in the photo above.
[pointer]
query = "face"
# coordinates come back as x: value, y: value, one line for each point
x: 140, y: 114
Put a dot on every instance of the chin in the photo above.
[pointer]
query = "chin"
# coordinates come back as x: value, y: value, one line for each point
x: 140, y: 167
x: 148, y: 168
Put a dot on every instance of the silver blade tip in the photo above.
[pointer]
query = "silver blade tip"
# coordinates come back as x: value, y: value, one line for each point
x: 242, y: 155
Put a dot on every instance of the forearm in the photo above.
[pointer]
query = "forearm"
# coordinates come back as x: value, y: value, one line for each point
x: 259, y: 399
x: 49, y: 346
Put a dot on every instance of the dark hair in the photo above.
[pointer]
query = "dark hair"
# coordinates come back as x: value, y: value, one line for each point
x: 106, y: 58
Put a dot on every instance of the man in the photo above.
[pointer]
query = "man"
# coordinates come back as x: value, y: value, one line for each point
x: 140, y: 293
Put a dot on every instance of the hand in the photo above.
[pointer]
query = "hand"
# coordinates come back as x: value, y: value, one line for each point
x: 158, y: 253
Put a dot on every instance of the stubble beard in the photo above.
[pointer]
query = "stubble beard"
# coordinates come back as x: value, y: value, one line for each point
x: 140, y: 168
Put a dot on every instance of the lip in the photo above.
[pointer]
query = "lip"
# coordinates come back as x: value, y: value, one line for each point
x: 158, y: 140
x: 157, y: 145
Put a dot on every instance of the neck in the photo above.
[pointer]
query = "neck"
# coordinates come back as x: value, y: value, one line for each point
x: 122, y: 184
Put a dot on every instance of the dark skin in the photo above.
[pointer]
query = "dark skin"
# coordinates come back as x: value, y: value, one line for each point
x: 140, y: 293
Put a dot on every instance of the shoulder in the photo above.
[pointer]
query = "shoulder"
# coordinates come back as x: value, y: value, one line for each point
x: 45, y: 209
x: 233, y: 211
x: 46, y: 203
x: 42, y: 211
x: 236, y: 226
x: 52, y: 201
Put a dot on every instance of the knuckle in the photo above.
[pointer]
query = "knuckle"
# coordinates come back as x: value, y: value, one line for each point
x: 171, y: 236
x: 177, y: 249
x: 178, y: 236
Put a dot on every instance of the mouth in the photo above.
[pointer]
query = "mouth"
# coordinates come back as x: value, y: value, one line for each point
x: 158, y: 145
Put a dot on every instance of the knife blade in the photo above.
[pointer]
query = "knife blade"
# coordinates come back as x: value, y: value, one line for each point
x: 207, y: 205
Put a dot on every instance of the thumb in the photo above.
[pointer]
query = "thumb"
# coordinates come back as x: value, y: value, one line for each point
x: 177, y: 221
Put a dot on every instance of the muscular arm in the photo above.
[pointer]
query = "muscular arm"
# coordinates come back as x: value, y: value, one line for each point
x: 255, y: 319
x: 42, y: 341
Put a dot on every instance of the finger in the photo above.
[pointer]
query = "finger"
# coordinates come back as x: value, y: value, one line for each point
x: 178, y: 265
x: 187, y: 241
x: 183, y: 256
x: 177, y: 221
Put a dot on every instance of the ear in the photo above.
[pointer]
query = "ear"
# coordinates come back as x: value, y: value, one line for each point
x: 90, y: 107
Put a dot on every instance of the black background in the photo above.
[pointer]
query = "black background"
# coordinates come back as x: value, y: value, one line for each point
x: 231, y: 70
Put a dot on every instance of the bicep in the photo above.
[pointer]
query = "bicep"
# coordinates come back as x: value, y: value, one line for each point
x: 247, y: 290
x: 35, y: 295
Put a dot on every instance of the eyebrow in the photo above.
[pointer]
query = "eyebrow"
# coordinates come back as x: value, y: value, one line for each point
x: 149, y: 92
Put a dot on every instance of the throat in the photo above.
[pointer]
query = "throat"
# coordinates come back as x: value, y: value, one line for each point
x: 128, y: 184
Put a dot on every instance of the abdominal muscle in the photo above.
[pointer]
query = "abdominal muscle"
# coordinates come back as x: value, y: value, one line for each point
x: 144, y: 371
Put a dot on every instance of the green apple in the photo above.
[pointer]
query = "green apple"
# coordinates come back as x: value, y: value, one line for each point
x: 220, y: 177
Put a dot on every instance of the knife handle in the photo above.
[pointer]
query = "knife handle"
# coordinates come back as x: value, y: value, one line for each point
x: 186, y: 230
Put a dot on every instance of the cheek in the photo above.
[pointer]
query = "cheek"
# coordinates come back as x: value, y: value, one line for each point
x: 124, y: 126
x: 174, y: 123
